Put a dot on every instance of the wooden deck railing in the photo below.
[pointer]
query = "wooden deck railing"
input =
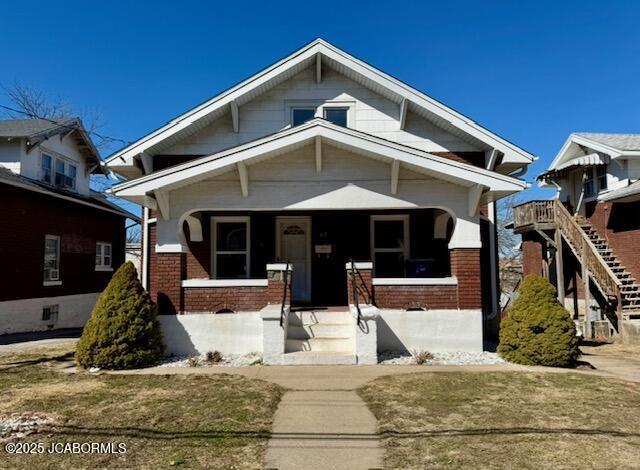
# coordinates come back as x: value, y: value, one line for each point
x: 553, y: 212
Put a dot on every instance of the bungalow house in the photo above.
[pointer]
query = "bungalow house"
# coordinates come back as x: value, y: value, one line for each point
x: 60, y: 241
x: 585, y: 240
x: 321, y: 211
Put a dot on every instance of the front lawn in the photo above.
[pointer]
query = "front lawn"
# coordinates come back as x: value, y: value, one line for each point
x: 506, y: 420
x: 188, y: 421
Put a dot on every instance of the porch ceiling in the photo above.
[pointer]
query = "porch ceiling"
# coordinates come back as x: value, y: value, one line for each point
x: 318, y: 130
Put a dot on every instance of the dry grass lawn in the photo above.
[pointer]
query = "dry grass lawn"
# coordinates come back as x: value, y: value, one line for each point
x: 506, y: 420
x: 219, y: 421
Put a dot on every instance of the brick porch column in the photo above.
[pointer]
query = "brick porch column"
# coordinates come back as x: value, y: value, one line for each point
x: 274, y: 336
x: 166, y: 284
x: 364, y: 270
x: 465, y: 265
x: 276, y: 273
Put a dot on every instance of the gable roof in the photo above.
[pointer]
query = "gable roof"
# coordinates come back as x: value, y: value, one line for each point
x: 94, y: 199
x: 325, y: 54
x: 295, y: 137
x: 579, y: 144
x: 36, y: 131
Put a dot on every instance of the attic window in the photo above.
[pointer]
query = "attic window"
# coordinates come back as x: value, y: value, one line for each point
x: 302, y: 115
x: 338, y: 116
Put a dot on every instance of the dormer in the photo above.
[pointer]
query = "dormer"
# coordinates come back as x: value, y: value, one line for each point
x: 58, y: 153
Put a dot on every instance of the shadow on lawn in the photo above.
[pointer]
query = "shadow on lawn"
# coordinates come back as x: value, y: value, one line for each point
x: 222, y: 434
x: 41, y: 360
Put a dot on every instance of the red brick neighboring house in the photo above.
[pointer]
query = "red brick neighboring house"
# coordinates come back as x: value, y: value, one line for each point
x: 318, y: 160
x: 587, y: 240
x: 60, y: 241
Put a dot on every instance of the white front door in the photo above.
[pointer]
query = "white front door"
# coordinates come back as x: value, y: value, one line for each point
x: 294, y: 245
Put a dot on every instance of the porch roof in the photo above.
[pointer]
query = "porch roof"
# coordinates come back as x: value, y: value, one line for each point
x: 319, y: 130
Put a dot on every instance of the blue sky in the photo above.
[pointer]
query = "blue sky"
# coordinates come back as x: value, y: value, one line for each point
x: 530, y: 71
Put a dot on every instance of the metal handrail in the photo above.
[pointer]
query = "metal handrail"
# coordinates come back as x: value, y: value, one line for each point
x: 284, y: 293
x: 354, y: 289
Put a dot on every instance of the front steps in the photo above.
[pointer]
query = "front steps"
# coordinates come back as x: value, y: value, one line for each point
x: 320, y: 337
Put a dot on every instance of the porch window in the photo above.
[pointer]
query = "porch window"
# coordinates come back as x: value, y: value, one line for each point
x: 51, y: 258
x: 231, y: 247
x: 601, y: 175
x: 389, y: 244
x: 302, y: 115
x: 103, y: 256
x: 589, y: 189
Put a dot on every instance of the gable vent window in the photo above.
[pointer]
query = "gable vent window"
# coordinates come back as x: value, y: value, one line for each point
x: 337, y: 116
x: 302, y: 115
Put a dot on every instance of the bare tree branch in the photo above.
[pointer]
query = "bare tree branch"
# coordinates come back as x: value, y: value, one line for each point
x: 508, y: 245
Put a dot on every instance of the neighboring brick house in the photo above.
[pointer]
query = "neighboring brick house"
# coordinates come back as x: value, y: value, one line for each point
x: 587, y: 240
x: 318, y: 160
x: 59, y: 240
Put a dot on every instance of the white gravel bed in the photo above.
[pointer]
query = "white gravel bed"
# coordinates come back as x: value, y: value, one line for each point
x: 17, y: 426
x: 443, y: 358
x: 230, y: 360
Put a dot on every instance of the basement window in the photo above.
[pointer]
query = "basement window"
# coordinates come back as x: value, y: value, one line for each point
x: 50, y: 313
x: 231, y: 247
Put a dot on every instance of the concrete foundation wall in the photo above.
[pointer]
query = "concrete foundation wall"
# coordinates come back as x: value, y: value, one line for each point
x: 25, y: 315
x: 239, y: 333
x: 431, y: 330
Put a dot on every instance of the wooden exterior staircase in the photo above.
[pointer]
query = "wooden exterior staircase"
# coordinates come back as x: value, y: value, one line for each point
x: 599, y: 263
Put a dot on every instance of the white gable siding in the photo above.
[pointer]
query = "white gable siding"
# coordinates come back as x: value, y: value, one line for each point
x: 66, y: 148
x: 369, y: 112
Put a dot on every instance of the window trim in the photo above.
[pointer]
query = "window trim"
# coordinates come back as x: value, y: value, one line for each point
x: 55, y: 157
x: 51, y: 169
x: 338, y: 106
x: 214, y: 238
x: 301, y: 108
x: 598, y: 177
x: 57, y: 281
x: 319, y: 106
x: 372, y: 238
x: 102, y: 266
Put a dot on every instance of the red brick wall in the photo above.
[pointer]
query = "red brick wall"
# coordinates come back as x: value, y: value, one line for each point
x: 199, y: 254
x: 27, y: 217
x: 363, y: 286
x: 531, y: 254
x: 213, y: 299
x: 166, y: 281
x: 465, y: 265
x: 427, y: 297
x: 619, y: 224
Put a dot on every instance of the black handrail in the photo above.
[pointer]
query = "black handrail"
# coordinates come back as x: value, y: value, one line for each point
x: 354, y: 289
x: 284, y: 292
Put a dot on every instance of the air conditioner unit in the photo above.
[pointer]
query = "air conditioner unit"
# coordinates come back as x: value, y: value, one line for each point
x: 54, y: 274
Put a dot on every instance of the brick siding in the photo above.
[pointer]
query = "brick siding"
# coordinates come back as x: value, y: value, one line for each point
x: 28, y: 217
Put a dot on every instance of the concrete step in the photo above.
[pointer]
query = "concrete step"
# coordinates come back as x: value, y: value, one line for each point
x: 306, y: 317
x: 328, y: 344
x: 319, y: 358
x: 320, y: 330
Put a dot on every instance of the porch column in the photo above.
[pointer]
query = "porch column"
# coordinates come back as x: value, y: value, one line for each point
x: 166, y: 282
x: 465, y: 266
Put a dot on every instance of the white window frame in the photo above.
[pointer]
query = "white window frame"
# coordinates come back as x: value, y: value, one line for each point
x: 319, y: 106
x: 102, y: 266
x: 214, y: 235
x: 405, y: 249
x: 49, y: 281
x: 66, y: 164
x: 55, y: 157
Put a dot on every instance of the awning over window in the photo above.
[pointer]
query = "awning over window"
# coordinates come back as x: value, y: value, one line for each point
x: 593, y: 159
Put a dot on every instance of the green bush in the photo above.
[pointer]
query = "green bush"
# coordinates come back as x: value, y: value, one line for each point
x: 123, y: 331
x: 537, y: 329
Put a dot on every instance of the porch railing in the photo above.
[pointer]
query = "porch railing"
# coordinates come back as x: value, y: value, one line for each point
x: 283, y: 307
x: 354, y: 289
x: 552, y: 212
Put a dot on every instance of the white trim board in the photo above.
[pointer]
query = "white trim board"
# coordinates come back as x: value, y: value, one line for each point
x: 415, y: 281
x: 299, y: 60
x: 192, y: 283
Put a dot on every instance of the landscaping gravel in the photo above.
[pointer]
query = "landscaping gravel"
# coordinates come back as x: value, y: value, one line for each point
x: 17, y: 426
x: 231, y: 360
x: 443, y: 358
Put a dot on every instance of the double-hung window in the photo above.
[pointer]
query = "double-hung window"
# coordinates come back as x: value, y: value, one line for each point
x: 46, y: 166
x: 589, y: 188
x: 231, y: 247
x: 65, y: 174
x: 103, y: 256
x: 51, y: 258
x: 389, y: 244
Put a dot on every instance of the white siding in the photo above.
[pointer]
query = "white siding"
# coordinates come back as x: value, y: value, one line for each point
x: 55, y: 146
x: 10, y: 152
x: 369, y: 112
